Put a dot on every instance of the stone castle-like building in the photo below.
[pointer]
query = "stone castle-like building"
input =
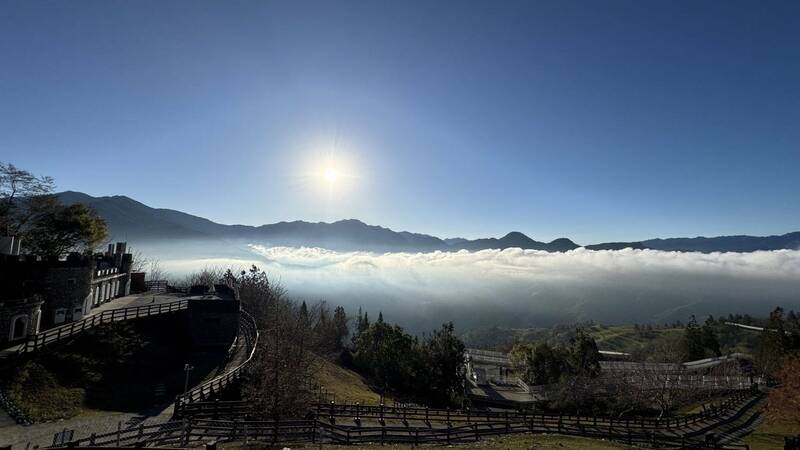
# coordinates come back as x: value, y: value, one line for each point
x: 37, y: 294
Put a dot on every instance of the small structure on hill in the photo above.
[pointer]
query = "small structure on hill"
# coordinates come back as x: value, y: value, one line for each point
x: 213, y: 315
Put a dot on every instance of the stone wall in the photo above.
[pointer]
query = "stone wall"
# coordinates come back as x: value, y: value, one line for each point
x: 19, y: 319
x: 213, y: 323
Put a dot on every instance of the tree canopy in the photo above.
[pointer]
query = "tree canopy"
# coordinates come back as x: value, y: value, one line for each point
x: 397, y: 362
x: 22, y: 194
x: 62, y: 229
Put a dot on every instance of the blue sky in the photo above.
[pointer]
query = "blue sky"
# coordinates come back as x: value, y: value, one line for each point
x: 596, y: 120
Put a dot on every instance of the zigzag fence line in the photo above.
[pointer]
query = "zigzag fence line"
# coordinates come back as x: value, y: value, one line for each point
x: 53, y: 335
x: 383, y: 412
x: 183, y: 432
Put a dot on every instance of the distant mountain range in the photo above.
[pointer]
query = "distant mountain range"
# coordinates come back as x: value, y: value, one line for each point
x: 133, y: 221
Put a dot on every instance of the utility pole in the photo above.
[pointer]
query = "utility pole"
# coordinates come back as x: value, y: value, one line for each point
x: 187, y: 368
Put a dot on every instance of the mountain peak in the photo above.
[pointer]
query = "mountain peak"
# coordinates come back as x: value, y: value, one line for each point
x: 515, y: 235
x: 136, y: 222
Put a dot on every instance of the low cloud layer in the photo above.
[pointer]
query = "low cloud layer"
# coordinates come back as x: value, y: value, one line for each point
x: 524, y: 288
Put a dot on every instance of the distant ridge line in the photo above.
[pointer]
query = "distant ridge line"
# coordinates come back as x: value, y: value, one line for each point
x: 132, y: 220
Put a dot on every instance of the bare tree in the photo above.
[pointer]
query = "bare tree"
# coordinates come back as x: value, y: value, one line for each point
x: 208, y: 276
x: 282, y: 381
x: 21, y: 193
x: 150, y: 266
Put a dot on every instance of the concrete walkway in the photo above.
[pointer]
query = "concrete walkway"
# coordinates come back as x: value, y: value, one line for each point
x: 118, y: 303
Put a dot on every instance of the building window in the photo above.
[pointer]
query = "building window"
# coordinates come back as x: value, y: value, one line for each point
x: 71, y: 282
x: 60, y: 315
x: 19, y: 327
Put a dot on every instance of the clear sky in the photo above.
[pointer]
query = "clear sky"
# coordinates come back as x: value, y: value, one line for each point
x: 595, y: 120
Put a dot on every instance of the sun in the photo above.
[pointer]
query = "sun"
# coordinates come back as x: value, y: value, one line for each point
x: 330, y: 175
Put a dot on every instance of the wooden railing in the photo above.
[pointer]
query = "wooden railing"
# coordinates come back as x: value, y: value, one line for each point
x: 356, y: 411
x: 248, y: 338
x: 647, y: 433
x: 71, y: 329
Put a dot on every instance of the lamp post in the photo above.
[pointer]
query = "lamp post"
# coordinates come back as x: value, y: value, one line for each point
x: 187, y: 368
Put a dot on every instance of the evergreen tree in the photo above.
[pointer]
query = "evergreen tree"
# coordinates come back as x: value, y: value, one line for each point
x: 444, y: 359
x: 709, y: 339
x: 692, y: 342
x: 584, y: 355
x: 340, y: 327
x: 774, y: 343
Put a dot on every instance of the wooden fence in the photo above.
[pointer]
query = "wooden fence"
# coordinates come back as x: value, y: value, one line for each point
x: 248, y: 339
x: 53, y: 335
x: 183, y: 432
x: 382, y: 413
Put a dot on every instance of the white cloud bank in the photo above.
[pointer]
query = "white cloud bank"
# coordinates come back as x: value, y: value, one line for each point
x: 516, y: 287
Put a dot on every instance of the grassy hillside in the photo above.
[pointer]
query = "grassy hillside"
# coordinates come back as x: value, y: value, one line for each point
x: 769, y: 435
x: 639, y: 341
x: 345, y: 384
x: 129, y: 366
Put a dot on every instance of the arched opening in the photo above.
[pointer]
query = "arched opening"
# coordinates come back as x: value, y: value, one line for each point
x: 19, y: 327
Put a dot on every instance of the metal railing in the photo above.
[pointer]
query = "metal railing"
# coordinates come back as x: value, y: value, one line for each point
x: 53, y: 335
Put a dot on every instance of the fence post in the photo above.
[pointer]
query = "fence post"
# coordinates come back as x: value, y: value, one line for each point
x: 119, y: 431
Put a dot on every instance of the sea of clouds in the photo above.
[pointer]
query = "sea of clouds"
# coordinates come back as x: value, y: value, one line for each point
x: 524, y: 288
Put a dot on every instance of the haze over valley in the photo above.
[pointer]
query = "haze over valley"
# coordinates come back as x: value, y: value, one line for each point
x: 420, y: 280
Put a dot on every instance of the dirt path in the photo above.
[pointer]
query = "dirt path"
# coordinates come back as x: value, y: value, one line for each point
x: 41, y: 434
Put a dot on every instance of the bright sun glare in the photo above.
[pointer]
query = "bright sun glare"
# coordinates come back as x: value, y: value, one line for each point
x: 331, y: 175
